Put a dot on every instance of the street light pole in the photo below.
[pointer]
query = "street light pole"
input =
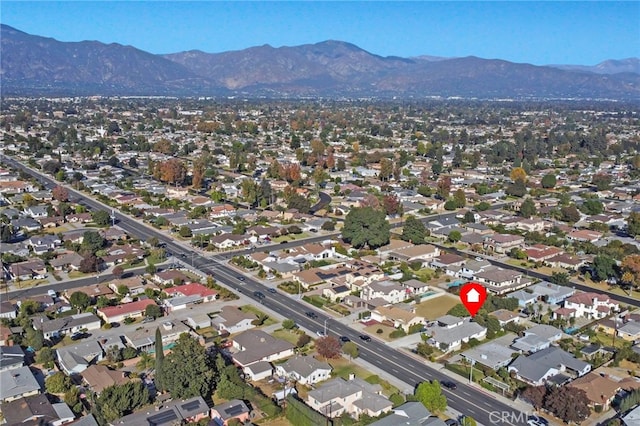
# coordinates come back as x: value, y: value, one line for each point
x: 325, y: 326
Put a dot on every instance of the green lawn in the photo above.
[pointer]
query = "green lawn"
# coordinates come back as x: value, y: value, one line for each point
x: 436, y: 307
x: 386, y: 330
x: 288, y: 335
x: 258, y: 312
x: 343, y: 367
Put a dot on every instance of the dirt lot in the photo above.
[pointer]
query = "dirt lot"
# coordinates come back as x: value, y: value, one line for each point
x: 436, y: 307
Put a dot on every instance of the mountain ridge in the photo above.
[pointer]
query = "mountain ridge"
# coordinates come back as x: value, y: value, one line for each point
x: 35, y: 65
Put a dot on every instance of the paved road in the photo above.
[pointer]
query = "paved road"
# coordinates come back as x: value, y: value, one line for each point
x: 464, y: 399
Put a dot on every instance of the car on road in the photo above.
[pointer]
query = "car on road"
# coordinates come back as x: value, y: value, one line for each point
x: 365, y: 337
x: 259, y: 294
x: 344, y: 339
x: 448, y: 384
x: 321, y: 333
x: 451, y: 422
x: 311, y: 314
x: 272, y: 290
x: 240, y: 277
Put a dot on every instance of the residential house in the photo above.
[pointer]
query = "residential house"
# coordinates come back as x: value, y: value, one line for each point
x: 473, y: 267
x: 450, y: 332
x: 584, y: 235
x: 93, y: 291
x: 170, y: 277
x: 121, y: 312
x: 552, y: 293
x: 423, y: 253
x: 55, y: 328
x: 541, y: 253
x: 233, y: 320
x: 36, y: 410
x: 199, y: 320
x: 354, y: 396
x: 255, y: 345
x: 8, y: 310
x: 415, y: 287
x: 410, y: 413
x: 99, y: 377
x: 601, y: 389
x: 500, y: 281
x: 69, y: 261
x: 543, y: 365
x: 566, y: 261
x: 390, y: 291
x: 17, y: 383
x: 503, y: 243
x: 227, y: 241
x: 185, y: 295
x: 134, y: 285
x: 591, y: 305
x: 505, y: 317
x: 449, y: 262
x: 336, y: 293
x: 304, y: 369
x: 176, y: 412
x: 492, y: 355
x: 11, y: 357
x: 397, y: 317
x: 537, y: 338
x: 144, y: 338
x: 28, y: 270
x: 76, y: 358
x: 222, y: 414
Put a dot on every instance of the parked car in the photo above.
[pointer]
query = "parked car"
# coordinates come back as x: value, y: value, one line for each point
x: 52, y: 293
x: 321, y: 333
x: 451, y: 422
x: 79, y: 335
x: 365, y: 337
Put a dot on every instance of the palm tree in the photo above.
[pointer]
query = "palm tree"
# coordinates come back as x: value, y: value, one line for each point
x: 146, y: 362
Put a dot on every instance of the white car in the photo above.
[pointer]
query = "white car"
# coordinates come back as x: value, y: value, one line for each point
x: 321, y: 333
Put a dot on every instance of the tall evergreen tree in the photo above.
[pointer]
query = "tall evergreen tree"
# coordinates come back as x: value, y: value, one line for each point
x: 159, y: 360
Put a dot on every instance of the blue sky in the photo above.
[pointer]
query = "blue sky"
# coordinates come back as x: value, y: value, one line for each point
x: 540, y: 33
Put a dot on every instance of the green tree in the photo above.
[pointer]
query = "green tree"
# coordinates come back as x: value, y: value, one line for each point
x: 92, y: 241
x: 288, y: 324
x: 34, y: 338
x: 528, y: 208
x: 185, y: 231
x: 119, y: 400
x: 430, y: 395
x: 468, y: 421
x: 460, y: 198
x: 604, y: 267
x: 560, y: 278
x: 45, y: 356
x: 569, y: 214
x: 454, y: 236
x: 366, y: 227
x: 57, y: 383
x: 469, y: 217
x: 601, y: 181
x: 633, y: 223
x: 101, y: 218
x: 188, y: 371
x: 592, y: 207
x: 159, y: 353
x: 153, y: 311
x: 80, y: 300
x: 548, y: 181
x: 413, y: 230
x: 351, y: 349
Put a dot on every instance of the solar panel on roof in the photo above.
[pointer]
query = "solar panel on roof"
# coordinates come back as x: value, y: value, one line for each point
x: 165, y: 417
x: 234, y: 410
x: 191, y: 405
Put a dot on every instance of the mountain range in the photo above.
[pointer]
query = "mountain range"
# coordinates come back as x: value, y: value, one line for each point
x: 37, y: 66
